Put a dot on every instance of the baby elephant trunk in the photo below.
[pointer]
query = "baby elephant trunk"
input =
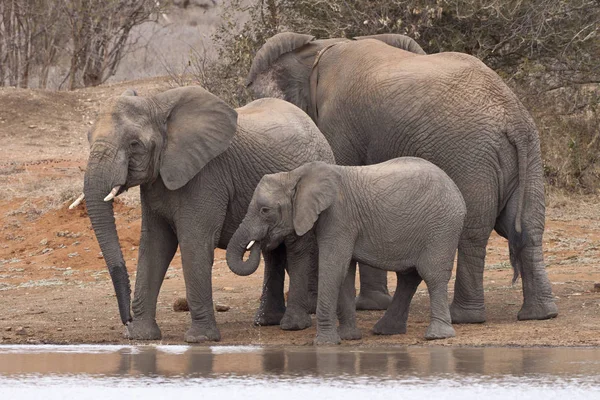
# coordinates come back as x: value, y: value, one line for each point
x: 238, y: 245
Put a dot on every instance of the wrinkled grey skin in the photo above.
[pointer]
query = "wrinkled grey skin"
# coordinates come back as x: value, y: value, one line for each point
x: 404, y: 215
x: 197, y: 162
x: 374, y: 102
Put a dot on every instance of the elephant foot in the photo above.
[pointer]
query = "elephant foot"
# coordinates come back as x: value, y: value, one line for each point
x: 266, y: 317
x: 200, y: 334
x: 349, y: 333
x: 373, y: 300
x: 388, y: 326
x: 142, y: 329
x: 439, y: 330
x: 545, y: 310
x: 461, y: 315
x: 327, y: 339
x: 295, y: 320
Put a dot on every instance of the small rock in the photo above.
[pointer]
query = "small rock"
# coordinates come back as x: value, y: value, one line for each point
x: 59, y: 329
x: 8, y: 329
x: 228, y: 289
x: 43, y: 242
x: 181, y: 305
x: 21, y: 331
x: 596, y: 287
x: 32, y: 126
x: 222, y: 307
x: 46, y: 250
x: 71, y: 255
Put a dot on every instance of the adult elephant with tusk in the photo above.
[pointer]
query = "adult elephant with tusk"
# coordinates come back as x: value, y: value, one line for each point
x: 197, y: 162
x: 382, y: 97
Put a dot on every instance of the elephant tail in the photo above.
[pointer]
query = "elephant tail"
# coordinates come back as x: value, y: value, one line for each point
x: 522, y: 161
x: 520, y: 136
x: 514, y: 249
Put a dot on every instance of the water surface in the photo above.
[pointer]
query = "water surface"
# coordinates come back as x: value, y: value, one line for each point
x: 246, y: 372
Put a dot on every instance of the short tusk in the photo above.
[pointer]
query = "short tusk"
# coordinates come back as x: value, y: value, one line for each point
x: 77, y: 201
x: 112, y: 193
x: 250, y: 244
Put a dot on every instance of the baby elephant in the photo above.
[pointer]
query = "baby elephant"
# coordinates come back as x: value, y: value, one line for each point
x: 404, y: 215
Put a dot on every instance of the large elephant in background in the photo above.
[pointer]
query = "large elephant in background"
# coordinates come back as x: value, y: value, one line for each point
x: 375, y: 101
x: 197, y: 162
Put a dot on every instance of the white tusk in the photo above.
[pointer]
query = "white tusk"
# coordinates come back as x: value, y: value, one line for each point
x: 112, y: 193
x: 250, y: 244
x: 77, y: 201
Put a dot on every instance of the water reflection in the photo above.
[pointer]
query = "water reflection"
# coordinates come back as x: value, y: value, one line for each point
x: 338, y: 362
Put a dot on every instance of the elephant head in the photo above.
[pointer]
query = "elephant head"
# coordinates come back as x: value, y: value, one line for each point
x: 282, y: 66
x: 283, y: 204
x: 138, y: 140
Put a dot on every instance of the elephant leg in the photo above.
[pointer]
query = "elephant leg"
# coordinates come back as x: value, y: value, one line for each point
x: 158, y: 244
x: 528, y: 260
x: 334, y: 259
x: 437, y: 273
x: 313, y: 280
x: 346, y: 309
x: 468, y: 304
x: 301, y: 255
x: 197, y: 258
x: 272, y: 302
x: 440, y: 325
x: 374, y: 294
x: 394, y: 320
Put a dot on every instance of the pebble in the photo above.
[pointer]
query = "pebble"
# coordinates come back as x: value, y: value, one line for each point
x: 8, y: 329
x: 59, y: 329
x: 596, y: 287
x: 43, y: 242
x: 21, y: 331
x: 222, y: 307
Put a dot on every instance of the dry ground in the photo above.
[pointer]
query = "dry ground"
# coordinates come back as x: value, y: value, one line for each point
x: 54, y: 287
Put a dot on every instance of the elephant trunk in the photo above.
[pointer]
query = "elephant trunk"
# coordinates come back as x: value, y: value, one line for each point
x: 239, y: 243
x: 99, y: 181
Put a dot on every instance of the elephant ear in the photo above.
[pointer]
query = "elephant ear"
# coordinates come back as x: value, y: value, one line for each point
x: 275, y: 47
x: 316, y: 188
x: 199, y: 127
x: 395, y: 40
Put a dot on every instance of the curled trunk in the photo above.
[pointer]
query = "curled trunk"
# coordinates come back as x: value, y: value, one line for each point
x: 96, y: 187
x: 235, y: 253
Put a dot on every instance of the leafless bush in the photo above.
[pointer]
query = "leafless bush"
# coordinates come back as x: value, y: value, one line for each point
x: 94, y: 34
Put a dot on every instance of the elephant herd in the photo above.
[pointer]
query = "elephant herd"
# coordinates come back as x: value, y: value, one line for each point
x: 358, y: 151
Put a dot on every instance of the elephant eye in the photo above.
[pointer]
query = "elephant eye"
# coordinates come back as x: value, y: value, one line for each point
x: 136, y: 145
x: 265, y: 210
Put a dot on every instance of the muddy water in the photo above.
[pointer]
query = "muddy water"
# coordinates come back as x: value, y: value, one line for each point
x: 153, y: 372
